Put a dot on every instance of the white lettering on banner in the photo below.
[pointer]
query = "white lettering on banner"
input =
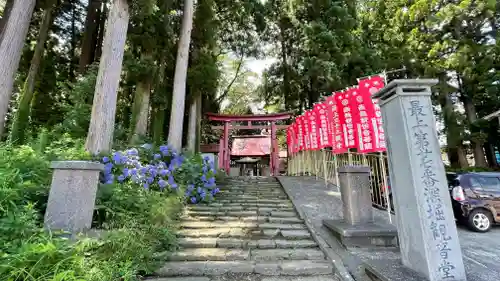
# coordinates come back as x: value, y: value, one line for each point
x: 364, y: 133
x: 313, y: 132
x: 349, y: 126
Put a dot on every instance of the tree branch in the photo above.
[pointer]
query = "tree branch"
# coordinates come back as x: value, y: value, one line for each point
x: 228, y: 88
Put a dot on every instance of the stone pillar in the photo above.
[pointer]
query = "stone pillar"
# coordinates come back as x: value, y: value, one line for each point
x: 227, y: 149
x: 355, y: 193
x: 274, y: 148
x: 426, y: 226
x: 358, y: 228
x: 72, y: 195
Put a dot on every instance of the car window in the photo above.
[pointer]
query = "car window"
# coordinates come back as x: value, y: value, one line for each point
x: 488, y: 183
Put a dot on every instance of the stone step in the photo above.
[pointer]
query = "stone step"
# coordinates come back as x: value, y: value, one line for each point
x: 256, y: 219
x: 233, y: 196
x: 288, y: 212
x: 238, y: 208
x: 212, y: 268
x: 252, y: 201
x: 211, y: 242
x: 239, y: 224
x: 329, y: 277
x: 223, y: 254
x: 217, y: 204
x: 246, y: 233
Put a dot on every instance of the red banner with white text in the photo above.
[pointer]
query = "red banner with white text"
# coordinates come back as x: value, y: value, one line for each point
x: 348, y: 116
x: 313, y: 129
x: 368, y: 87
x: 300, y: 133
x: 336, y: 121
x: 325, y: 135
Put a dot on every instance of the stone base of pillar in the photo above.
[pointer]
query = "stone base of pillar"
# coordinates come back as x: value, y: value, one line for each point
x: 358, y: 227
x: 366, y: 235
x: 72, y: 196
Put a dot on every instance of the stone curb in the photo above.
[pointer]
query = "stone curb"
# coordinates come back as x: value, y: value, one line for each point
x: 341, y: 270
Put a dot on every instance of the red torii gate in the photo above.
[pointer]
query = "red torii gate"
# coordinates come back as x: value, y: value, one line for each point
x: 225, y: 151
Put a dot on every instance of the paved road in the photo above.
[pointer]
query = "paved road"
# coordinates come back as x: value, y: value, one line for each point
x: 481, y: 251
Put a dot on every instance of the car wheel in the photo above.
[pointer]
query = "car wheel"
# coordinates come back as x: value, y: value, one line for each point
x: 480, y: 220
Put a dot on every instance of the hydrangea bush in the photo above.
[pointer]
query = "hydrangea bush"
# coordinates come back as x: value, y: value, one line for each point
x: 162, y: 170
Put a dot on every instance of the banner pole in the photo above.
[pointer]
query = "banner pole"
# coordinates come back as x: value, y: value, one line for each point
x: 335, y: 168
x: 384, y: 185
x: 325, y: 171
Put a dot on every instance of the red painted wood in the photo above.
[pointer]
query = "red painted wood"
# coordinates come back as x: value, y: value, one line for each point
x: 256, y: 117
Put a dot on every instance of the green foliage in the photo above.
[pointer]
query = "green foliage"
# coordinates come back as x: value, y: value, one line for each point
x: 134, y: 223
x: 79, y: 106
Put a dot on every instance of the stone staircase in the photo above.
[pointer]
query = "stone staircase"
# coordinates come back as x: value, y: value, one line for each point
x: 251, y: 232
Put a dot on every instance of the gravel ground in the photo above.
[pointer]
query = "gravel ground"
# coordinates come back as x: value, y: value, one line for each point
x: 481, y: 251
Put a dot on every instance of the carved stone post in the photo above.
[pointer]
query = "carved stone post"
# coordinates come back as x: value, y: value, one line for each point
x: 426, y: 226
x: 72, y: 195
x: 358, y: 228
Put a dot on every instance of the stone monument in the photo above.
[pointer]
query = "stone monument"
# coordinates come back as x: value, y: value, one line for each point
x: 358, y: 228
x: 72, y: 195
x: 426, y: 227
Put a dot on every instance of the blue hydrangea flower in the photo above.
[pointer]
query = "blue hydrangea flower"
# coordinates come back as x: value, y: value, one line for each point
x: 133, y: 152
x: 117, y: 157
x: 193, y: 200
x: 163, y: 173
x: 121, y: 178
x: 162, y: 184
x: 105, y: 159
x: 146, y: 185
x: 157, y: 156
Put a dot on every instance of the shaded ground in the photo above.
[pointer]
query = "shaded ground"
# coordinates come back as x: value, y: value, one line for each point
x: 319, y: 201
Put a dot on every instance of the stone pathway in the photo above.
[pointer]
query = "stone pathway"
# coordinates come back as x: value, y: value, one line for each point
x: 251, y: 232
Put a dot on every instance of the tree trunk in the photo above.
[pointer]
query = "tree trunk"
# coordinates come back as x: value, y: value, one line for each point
x: 193, y: 117
x: 140, y: 109
x: 90, y: 35
x: 5, y: 15
x: 284, y: 64
x: 477, y: 147
x: 462, y: 157
x: 100, y: 37
x: 102, y: 121
x: 158, y: 124
x: 179, y: 91
x: 199, y: 106
x: 11, y: 47
x: 490, y: 155
x: 21, y: 120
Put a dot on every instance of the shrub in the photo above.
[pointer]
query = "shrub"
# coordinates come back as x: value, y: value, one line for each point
x: 142, y: 193
x: 162, y: 170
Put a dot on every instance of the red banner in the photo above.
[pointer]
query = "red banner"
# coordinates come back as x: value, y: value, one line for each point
x: 325, y: 134
x: 293, y: 132
x: 307, y: 130
x: 314, y: 136
x: 365, y: 128
x: 336, y: 121
x: 300, y: 132
x: 346, y: 104
x: 289, y: 140
x: 369, y: 87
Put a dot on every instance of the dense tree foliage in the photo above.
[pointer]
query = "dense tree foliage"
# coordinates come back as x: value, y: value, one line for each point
x: 317, y: 46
